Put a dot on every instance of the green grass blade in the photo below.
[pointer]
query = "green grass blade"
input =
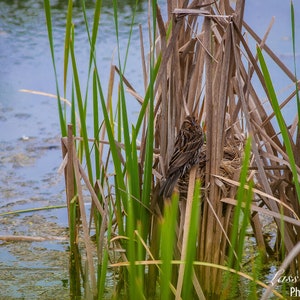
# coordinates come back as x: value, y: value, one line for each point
x: 120, y: 184
x: 63, y: 125
x: 147, y: 182
x: 133, y: 289
x: 280, y: 120
x: 104, y: 263
x: 73, y: 111
x: 238, y: 231
x: 238, y: 209
x: 133, y: 170
x: 82, y: 113
x: 96, y: 22
x: 67, y: 42
x: 293, y: 36
x: 244, y: 198
x: 124, y: 114
x: 96, y: 125
x: 294, y: 58
x: 168, y: 236
x: 192, y: 243
x: 140, y: 251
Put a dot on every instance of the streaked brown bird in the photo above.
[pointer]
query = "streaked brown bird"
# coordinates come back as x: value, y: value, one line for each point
x: 186, y: 154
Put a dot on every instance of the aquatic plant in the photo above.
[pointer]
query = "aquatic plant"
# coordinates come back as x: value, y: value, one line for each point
x: 199, y: 63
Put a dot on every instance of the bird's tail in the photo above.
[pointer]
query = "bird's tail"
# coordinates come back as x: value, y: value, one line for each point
x: 168, y: 185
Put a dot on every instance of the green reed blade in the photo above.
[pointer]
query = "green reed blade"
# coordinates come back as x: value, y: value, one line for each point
x: 73, y: 111
x: 147, y: 183
x: 63, y: 125
x: 140, y: 256
x: 133, y: 289
x: 235, y: 239
x: 280, y: 120
x: 294, y: 59
x: 192, y: 243
x: 133, y: 171
x: 244, y: 199
x: 120, y: 183
x: 96, y: 125
x: 238, y: 231
x: 123, y: 105
x: 168, y: 237
x: 96, y: 22
x: 102, y: 275
x: 67, y: 42
x: 82, y: 113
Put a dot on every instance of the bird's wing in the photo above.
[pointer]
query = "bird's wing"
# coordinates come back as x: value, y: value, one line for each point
x: 182, y: 154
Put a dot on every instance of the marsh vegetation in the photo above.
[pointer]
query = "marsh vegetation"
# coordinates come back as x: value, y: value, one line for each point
x: 137, y: 245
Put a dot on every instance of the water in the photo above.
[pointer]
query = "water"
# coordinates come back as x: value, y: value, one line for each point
x: 30, y: 152
x: 258, y: 15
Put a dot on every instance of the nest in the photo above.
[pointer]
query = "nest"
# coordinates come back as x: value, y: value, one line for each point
x: 229, y: 168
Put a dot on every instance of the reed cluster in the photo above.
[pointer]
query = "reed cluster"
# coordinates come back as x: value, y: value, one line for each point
x: 199, y: 63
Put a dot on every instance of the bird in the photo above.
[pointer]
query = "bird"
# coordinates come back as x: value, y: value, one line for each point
x: 186, y: 154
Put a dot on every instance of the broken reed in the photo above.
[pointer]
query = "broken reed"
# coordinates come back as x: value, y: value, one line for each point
x: 189, y: 71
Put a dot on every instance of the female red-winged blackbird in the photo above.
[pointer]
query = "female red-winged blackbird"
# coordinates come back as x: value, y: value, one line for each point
x: 186, y: 154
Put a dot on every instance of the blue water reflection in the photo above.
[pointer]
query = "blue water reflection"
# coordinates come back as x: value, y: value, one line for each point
x: 30, y: 121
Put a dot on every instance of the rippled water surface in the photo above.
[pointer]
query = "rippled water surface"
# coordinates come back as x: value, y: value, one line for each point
x: 30, y: 152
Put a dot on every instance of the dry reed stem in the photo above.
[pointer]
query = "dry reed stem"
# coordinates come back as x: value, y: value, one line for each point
x: 210, y: 62
x: 74, y: 170
x: 203, y: 72
x: 186, y: 227
x: 26, y: 238
x: 85, y: 227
